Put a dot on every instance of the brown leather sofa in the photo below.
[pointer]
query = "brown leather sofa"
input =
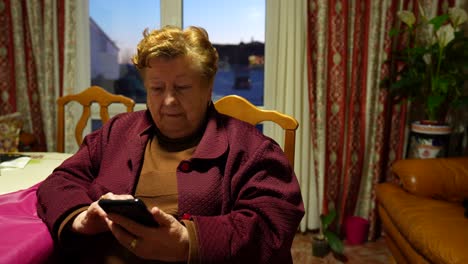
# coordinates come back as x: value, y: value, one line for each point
x: 423, y: 216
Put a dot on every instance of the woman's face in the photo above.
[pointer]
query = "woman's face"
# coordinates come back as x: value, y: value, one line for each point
x: 177, y: 96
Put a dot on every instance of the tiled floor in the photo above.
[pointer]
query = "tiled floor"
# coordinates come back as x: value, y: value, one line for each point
x: 369, y: 252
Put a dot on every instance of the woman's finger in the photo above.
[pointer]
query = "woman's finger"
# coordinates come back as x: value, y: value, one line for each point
x: 124, y: 237
x: 161, y: 217
x: 106, y: 196
x: 113, y: 196
x: 94, y: 208
x: 128, y: 224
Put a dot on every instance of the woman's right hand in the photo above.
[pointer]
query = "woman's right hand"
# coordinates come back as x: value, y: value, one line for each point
x: 93, y: 220
x: 90, y: 221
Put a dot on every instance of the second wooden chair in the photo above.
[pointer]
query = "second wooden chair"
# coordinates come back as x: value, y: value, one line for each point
x: 238, y: 107
x: 86, y: 98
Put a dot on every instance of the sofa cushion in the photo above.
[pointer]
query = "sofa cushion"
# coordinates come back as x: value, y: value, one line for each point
x: 436, y: 229
x: 440, y: 178
x: 10, y: 127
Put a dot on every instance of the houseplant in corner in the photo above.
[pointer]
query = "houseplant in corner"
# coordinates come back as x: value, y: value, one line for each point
x: 431, y: 73
x: 326, y: 239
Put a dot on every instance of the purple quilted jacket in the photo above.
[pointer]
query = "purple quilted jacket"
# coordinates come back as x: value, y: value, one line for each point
x: 238, y: 186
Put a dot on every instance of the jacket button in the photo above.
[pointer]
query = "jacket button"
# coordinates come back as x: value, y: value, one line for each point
x: 186, y: 216
x: 185, y: 166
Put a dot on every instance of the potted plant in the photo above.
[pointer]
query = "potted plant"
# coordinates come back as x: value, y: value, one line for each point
x: 326, y: 239
x: 431, y: 70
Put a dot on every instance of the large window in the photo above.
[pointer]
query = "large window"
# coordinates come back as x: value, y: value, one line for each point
x: 116, y: 27
x: 236, y: 28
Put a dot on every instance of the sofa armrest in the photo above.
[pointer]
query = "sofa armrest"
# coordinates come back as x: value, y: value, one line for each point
x: 440, y: 178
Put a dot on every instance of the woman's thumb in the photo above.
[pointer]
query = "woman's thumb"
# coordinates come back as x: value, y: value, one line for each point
x: 161, y: 217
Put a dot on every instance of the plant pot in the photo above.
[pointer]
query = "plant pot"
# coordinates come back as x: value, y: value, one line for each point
x: 357, y: 229
x: 320, y: 247
x: 429, y: 139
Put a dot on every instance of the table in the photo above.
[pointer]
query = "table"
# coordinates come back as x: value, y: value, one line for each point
x: 38, y: 168
x: 25, y: 238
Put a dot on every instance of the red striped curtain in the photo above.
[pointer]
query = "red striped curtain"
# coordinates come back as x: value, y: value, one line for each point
x: 28, y: 61
x: 361, y: 131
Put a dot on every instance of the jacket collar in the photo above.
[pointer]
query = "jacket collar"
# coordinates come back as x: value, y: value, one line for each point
x: 213, y: 144
x: 143, y: 128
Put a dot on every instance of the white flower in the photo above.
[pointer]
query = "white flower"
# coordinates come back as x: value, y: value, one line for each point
x: 445, y: 34
x: 407, y: 17
x: 458, y: 16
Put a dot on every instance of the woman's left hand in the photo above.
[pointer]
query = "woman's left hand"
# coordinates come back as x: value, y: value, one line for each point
x: 168, y: 242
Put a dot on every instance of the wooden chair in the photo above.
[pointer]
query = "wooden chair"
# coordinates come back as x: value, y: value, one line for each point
x: 238, y: 107
x: 86, y: 98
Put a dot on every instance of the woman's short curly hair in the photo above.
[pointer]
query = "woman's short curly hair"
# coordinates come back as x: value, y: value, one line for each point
x: 171, y: 42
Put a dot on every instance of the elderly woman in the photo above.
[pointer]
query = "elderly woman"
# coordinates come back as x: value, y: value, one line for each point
x: 221, y: 191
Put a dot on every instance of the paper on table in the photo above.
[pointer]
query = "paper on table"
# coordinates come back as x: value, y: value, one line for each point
x: 16, y: 163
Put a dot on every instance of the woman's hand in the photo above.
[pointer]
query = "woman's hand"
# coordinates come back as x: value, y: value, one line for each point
x: 168, y: 242
x: 93, y: 220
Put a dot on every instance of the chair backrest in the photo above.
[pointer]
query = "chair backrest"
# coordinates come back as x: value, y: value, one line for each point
x: 92, y: 94
x: 238, y: 107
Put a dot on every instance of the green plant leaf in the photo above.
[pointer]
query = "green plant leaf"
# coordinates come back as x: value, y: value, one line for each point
x: 335, y: 242
x: 441, y: 85
x: 433, y: 106
x: 435, y: 100
x: 393, y: 32
x: 438, y: 21
x: 328, y: 219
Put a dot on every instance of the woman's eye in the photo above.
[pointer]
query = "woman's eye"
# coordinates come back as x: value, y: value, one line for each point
x: 183, y: 87
x: 156, y: 89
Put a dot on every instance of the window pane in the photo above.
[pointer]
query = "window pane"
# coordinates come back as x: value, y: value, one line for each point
x: 115, y: 29
x: 237, y: 30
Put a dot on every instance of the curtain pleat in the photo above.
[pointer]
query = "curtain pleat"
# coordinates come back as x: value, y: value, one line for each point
x: 51, y: 68
x: 356, y: 121
x: 69, y: 74
x: 286, y: 87
x: 336, y: 95
x: 7, y: 60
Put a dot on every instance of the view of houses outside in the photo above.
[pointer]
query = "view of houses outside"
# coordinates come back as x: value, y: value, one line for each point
x: 241, y: 66
x: 108, y: 71
x: 240, y: 71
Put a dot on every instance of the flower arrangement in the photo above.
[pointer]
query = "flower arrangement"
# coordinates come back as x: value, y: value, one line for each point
x: 431, y: 68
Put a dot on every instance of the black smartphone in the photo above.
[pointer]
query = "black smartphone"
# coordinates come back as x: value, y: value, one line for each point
x: 134, y: 209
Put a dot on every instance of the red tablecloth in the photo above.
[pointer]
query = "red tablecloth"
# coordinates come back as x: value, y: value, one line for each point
x: 24, y: 238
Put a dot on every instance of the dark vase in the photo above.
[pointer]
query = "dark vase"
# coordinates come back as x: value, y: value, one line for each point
x: 320, y: 247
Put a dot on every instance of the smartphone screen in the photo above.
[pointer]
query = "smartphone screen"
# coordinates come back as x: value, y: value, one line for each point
x: 134, y: 209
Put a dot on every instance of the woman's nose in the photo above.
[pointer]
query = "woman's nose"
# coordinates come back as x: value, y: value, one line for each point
x: 169, y: 98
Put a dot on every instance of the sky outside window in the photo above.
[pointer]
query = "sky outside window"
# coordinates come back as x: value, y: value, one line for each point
x: 227, y: 21
x: 124, y: 21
